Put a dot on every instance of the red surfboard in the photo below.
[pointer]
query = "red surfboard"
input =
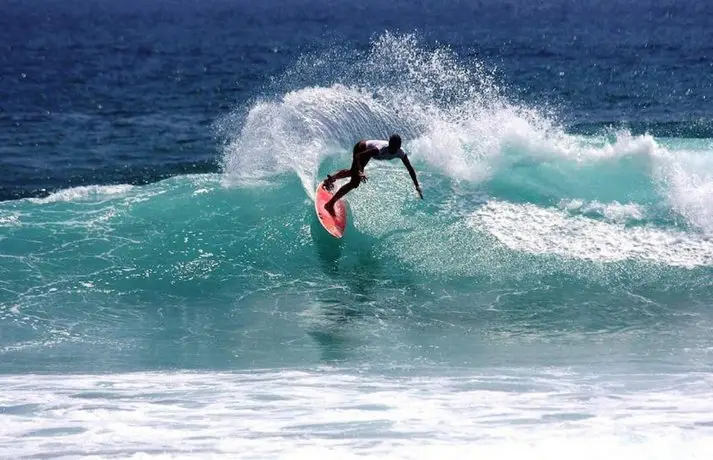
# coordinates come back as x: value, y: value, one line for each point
x: 333, y: 224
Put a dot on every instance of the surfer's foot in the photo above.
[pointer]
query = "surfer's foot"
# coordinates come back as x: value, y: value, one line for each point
x: 330, y: 208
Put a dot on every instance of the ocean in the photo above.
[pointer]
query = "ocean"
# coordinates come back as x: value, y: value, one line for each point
x: 167, y: 292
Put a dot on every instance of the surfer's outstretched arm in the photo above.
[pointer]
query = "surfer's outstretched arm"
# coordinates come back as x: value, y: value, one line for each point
x: 412, y: 173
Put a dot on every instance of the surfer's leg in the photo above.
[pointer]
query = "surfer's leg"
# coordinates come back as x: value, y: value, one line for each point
x: 352, y: 184
x: 346, y: 188
x: 342, y: 174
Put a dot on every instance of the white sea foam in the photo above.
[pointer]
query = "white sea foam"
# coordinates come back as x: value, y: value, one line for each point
x: 9, y: 219
x: 613, y: 212
x: 302, y: 414
x: 85, y: 193
x: 687, y: 180
x: 532, y: 229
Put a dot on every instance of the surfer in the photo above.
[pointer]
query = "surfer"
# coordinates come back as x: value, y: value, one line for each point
x: 362, y: 153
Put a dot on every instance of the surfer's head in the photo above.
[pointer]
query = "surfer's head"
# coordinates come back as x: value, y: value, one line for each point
x: 394, y: 143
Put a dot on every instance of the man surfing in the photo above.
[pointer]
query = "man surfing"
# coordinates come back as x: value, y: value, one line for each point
x: 362, y: 153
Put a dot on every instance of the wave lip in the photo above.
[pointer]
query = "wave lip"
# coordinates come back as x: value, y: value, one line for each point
x: 94, y: 193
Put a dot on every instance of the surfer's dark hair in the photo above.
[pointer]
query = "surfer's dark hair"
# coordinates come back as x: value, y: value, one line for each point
x: 395, y: 141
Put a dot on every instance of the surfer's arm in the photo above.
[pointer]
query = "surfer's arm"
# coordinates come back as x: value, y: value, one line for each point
x: 412, y: 173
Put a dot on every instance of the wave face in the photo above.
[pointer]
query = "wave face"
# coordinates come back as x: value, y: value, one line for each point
x: 531, y: 240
